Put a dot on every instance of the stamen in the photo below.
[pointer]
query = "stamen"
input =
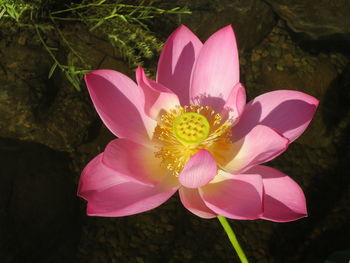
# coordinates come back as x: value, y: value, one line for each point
x: 185, y: 130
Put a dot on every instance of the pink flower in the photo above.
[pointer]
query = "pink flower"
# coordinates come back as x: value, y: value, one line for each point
x: 191, y: 130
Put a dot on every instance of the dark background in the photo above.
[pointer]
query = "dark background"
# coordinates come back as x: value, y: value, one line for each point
x: 49, y: 131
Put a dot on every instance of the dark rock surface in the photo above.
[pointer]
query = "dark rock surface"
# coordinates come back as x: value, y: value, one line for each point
x: 252, y: 19
x: 39, y: 212
x: 48, y: 111
x: 33, y: 107
x: 318, y: 20
x: 316, y: 159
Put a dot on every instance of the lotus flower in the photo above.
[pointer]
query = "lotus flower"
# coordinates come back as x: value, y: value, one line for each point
x: 191, y: 131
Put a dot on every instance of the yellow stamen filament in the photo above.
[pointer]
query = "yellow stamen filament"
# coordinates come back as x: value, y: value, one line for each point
x: 185, y: 130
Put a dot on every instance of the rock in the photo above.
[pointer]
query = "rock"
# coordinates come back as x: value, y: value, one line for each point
x: 252, y: 19
x: 293, y: 69
x: 39, y: 210
x: 48, y: 111
x: 317, y: 20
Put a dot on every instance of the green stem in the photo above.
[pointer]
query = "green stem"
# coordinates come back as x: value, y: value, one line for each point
x: 231, y: 235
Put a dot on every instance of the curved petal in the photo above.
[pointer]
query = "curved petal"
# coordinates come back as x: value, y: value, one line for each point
x: 120, y: 104
x: 158, y: 98
x: 134, y: 161
x: 97, y: 177
x: 191, y: 199
x: 236, y: 196
x: 128, y: 198
x: 260, y: 145
x: 217, y: 68
x: 284, y: 200
x: 289, y: 112
x: 110, y: 193
x: 199, y: 170
x: 176, y: 62
x: 235, y: 102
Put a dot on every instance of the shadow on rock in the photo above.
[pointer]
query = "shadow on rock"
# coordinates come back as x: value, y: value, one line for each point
x: 39, y: 211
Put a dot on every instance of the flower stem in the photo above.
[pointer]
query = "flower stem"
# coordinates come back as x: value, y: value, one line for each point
x: 231, y: 235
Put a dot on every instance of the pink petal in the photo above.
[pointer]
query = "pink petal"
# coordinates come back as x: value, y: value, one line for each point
x: 236, y: 102
x: 199, y: 170
x: 97, y: 177
x: 120, y: 104
x: 110, y: 193
x: 134, y: 161
x: 287, y: 111
x: 158, y: 99
x: 128, y: 198
x: 237, y: 196
x: 216, y: 70
x: 284, y: 200
x: 176, y: 62
x: 260, y: 145
x: 191, y: 199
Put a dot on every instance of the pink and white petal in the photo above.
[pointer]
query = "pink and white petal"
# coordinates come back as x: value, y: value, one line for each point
x: 128, y: 198
x: 176, y: 62
x: 217, y: 68
x: 199, y: 170
x: 134, y: 161
x: 191, y: 199
x: 235, y: 102
x: 284, y: 200
x: 260, y: 145
x: 287, y: 111
x: 158, y: 99
x: 97, y: 177
x: 236, y: 197
x: 120, y: 104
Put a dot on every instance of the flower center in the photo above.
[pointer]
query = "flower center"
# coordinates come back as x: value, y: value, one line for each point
x: 183, y: 131
x: 191, y: 127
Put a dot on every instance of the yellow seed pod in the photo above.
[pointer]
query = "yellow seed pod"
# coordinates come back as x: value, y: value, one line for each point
x: 191, y: 128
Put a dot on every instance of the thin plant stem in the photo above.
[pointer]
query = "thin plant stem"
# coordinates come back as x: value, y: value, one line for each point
x: 232, y: 237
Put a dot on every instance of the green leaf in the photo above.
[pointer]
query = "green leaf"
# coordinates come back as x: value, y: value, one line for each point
x: 73, y: 80
x: 3, y: 11
x: 123, y: 18
x: 52, y: 70
x: 97, y: 24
